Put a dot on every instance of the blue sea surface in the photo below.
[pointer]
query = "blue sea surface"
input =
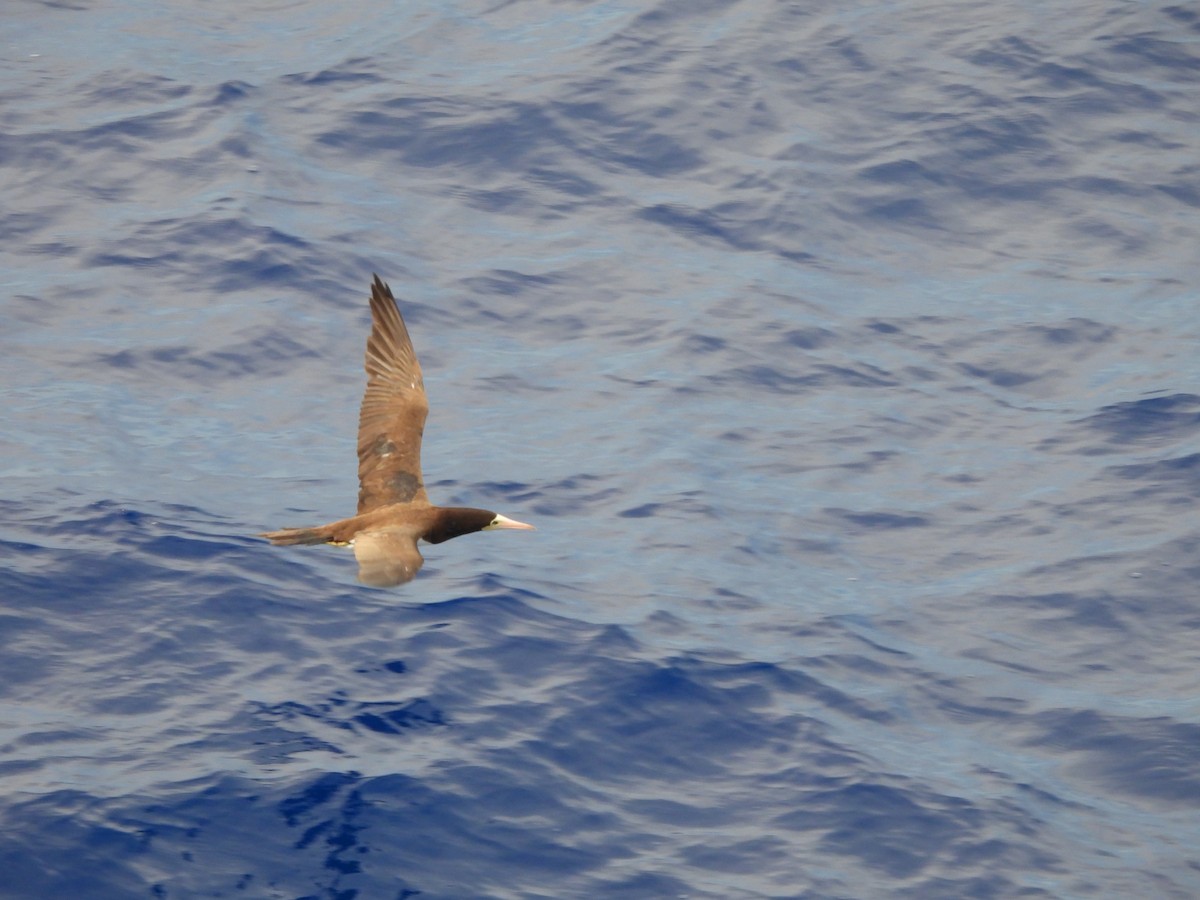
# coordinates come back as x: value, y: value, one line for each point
x: 846, y: 357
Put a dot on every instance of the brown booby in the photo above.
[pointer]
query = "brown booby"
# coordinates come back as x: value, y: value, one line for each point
x: 393, y: 509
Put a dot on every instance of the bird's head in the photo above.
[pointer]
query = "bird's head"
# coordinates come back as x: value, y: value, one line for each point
x: 456, y: 521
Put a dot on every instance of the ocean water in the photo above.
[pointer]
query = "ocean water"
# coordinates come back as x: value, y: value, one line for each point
x: 846, y: 356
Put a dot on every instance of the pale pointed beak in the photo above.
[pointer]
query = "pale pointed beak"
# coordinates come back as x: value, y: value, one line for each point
x: 505, y: 522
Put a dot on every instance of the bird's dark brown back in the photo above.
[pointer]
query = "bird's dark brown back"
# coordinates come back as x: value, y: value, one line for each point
x: 392, y: 419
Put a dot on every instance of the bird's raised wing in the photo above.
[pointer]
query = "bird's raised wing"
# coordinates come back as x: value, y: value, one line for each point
x: 392, y: 418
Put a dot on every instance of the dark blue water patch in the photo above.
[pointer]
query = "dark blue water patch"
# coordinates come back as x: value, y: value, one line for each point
x: 355, y: 70
x: 1154, y: 420
x: 744, y: 857
x: 517, y: 812
x: 25, y: 660
x: 111, y: 522
x: 641, y: 512
x: 693, y: 222
x: 222, y: 230
x: 573, y: 494
x: 1075, y: 331
x: 128, y: 134
x: 1177, y: 479
x: 702, y: 344
x: 15, y: 226
x: 793, y: 369
x: 683, y: 721
x: 1073, y: 610
x: 99, y: 518
x: 1170, y: 58
x: 1150, y: 758
x: 902, y: 171
x: 272, y: 740
x: 613, y: 140
x: 232, y: 92
x: 351, y: 833
x: 1183, y: 191
x: 381, y: 717
x: 241, y: 254
x: 60, y: 826
x: 78, y: 574
x: 891, y: 828
x: 568, y: 183
x: 809, y: 338
x: 881, y: 810
x: 422, y: 132
x: 871, y: 521
x: 507, y: 283
x: 132, y: 87
x: 271, y: 354
x: 766, y: 377
x: 901, y: 212
x: 1005, y: 378
x: 721, y: 226
x: 1184, y: 15
x: 315, y: 795
x: 183, y: 548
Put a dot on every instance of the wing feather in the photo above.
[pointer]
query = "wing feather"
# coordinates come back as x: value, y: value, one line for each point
x: 392, y: 418
x: 386, y: 558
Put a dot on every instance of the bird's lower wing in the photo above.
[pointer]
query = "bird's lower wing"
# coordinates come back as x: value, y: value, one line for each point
x: 386, y: 558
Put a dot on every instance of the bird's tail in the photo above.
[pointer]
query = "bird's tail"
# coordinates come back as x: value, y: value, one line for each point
x: 319, y: 534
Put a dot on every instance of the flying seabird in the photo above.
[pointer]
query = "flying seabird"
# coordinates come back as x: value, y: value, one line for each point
x: 393, y: 509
